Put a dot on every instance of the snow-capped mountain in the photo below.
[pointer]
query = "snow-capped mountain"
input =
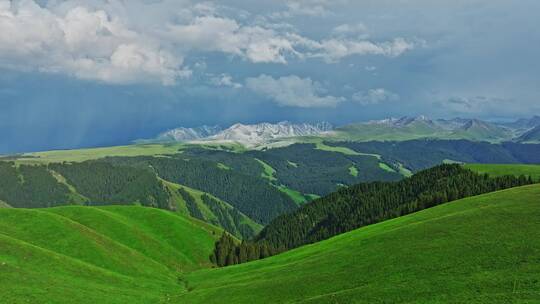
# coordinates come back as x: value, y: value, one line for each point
x: 189, y: 134
x: 265, y: 132
x: 404, y: 128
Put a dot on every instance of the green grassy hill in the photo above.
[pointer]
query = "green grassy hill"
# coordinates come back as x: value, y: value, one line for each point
x: 113, y: 254
x: 100, y: 183
x: 483, y: 249
x: 504, y: 169
x: 80, y: 155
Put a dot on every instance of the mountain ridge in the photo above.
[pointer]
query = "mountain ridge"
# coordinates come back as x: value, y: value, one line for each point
x: 402, y: 128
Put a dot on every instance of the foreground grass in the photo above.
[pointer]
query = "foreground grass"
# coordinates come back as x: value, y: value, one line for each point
x: 505, y: 169
x: 483, y: 249
x: 98, y: 255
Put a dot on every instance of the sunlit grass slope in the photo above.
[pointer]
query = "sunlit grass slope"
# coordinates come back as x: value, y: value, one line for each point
x: 79, y: 155
x: 484, y: 249
x: 507, y: 169
x: 98, y: 255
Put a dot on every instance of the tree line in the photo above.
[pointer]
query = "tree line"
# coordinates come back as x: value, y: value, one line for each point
x: 364, y: 204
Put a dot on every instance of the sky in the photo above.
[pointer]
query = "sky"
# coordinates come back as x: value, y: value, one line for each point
x: 105, y: 72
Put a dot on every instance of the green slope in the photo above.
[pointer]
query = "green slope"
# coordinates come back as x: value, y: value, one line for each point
x: 483, y: 249
x: 79, y: 155
x: 507, y: 169
x: 221, y: 214
x: 98, y: 255
x: 101, y: 183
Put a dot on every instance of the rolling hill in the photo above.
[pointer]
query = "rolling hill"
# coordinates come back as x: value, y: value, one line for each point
x: 102, y: 183
x: 113, y: 254
x: 369, y: 203
x: 504, y: 169
x: 238, y: 190
x: 481, y: 249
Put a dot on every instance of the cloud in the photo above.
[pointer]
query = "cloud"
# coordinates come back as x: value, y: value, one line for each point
x: 225, y: 80
x: 308, y: 7
x: 333, y: 50
x: 479, y: 104
x: 311, y: 8
x: 112, y: 42
x: 261, y: 44
x: 89, y: 44
x: 293, y: 91
x: 358, y: 29
x: 374, y: 96
x: 219, y: 34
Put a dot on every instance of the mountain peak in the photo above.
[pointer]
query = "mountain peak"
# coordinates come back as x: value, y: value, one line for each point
x: 263, y: 132
x: 188, y: 134
x: 408, y: 120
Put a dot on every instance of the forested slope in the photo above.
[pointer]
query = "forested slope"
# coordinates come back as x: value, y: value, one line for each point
x: 254, y: 197
x: 362, y: 205
x: 368, y: 203
x: 310, y: 170
x: 424, y: 153
x: 96, y: 183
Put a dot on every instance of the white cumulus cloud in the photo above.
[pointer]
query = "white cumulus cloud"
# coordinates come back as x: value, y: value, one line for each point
x: 220, y: 34
x: 333, y: 50
x: 293, y: 91
x: 86, y: 43
x: 115, y: 42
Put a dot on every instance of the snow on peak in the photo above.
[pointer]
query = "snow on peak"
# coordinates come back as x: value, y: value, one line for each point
x: 264, y: 132
x: 189, y: 134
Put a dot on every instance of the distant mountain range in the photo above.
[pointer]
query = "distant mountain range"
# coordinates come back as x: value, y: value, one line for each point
x: 407, y: 128
x: 188, y: 134
x: 397, y: 129
x: 266, y: 132
x: 247, y: 134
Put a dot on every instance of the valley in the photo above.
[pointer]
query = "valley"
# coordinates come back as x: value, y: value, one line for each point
x: 272, y: 152
x: 151, y: 222
x: 143, y: 255
x: 409, y: 259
